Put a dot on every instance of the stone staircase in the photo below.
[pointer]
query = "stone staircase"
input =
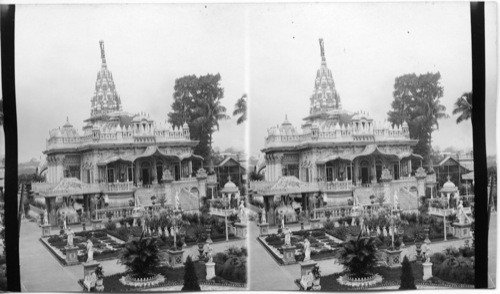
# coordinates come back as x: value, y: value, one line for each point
x: 407, y: 200
x: 188, y: 200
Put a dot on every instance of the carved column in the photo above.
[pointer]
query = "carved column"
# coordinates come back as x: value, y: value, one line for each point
x: 137, y: 173
x: 421, y: 174
x: 279, y: 170
x: 154, y: 172
x: 59, y: 167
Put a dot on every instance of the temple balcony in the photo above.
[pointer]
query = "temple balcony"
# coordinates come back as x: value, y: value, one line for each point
x: 337, y: 212
x: 117, y: 187
x: 122, y: 212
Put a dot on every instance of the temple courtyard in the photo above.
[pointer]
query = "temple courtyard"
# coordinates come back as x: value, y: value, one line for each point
x: 42, y: 272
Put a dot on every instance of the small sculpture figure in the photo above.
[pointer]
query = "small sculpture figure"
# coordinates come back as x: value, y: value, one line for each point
x: 45, y: 217
x: 288, y: 235
x: 90, y: 251
x: 282, y: 222
x: 71, y: 235
x: 395, y: 201
x: 64, y: 221
x: 209, y: 253
x: 263, y: 218
x: 379, y: 232
x: 384, y: 232
x: 242, y: 214
x: 307, y: 250
x: 461, y: 212
x: 427, y: 252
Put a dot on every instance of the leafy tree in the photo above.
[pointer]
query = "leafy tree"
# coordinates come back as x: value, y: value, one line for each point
x: 407, y: 279
x: 255, y: 176
x: 140, y: 256
x: 190, y: 278
x: 197, y: 101
x: 359, y: 256
x: 240, y: 108
x: 417, y: 102
x: 463, y: 106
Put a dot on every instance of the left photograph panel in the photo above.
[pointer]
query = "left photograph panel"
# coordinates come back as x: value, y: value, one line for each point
x: 131, y: 135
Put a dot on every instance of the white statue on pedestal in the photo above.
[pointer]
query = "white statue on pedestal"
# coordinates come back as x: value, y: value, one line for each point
x: 242, y: 213
x: 90, y: 251
x: 209, y: 253
x: 307, y: 250
x: 384, y: 231
x: 288, y: 237
x: 45, y: 217
x: 427, y: 252
x: 378, y: 231
x: 460, y: 212
x: 263, y: 218
x: 71, y: 235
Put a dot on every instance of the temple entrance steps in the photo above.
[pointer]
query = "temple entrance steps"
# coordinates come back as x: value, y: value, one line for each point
x: 364, y: 194
x: 144, y: 195
x: 407, y: 200
x: 187, y: 200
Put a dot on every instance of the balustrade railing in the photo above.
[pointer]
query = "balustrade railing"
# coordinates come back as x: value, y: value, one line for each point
x: 125, y: 211
x: 342, y: 211
x: 222, y: 211
x: 261, y: 185
x: 117, y: 187
x: 336, y: 186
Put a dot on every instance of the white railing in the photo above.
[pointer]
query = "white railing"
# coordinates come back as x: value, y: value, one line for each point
x: 336, y: 186
x: 222, y: 211
x: 117, y: 187
x: 440, y: 211
x: 122, y: 212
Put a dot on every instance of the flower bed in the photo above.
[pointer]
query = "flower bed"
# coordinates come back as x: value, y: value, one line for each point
x: 105, y: 247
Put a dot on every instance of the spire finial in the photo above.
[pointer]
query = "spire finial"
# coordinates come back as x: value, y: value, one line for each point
x: 322, y: 47
x: 103, y: 55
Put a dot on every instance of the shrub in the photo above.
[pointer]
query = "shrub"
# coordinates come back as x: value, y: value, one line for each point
x: 190, y: 278
x: 407, y: 279
x: 141, y: 257
x: 359, y: 256
x: 329, y: 225
x: 110, y: 226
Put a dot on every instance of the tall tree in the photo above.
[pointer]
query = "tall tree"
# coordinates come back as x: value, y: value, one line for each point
x: 240, y: 108
x: 197, y: 101
x: 463, y: 106
x: 417, y: 101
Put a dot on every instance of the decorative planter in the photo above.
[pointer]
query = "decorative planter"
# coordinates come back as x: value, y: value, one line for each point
x: 393, y: 257
x: 263, y: 229
x: 461, y: 230
x: 418, y: 248
x: 144, y: 282
x: 209, y: 240
x: 427, y: 240
x: 201, y: 250
x: 174, y: 258
x: 359, y: 282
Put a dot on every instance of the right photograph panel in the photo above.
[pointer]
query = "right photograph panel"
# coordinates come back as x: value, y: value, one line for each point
x: 361, y: 135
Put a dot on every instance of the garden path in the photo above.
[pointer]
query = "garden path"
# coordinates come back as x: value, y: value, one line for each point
x: 41, y: 272
x: 265, y: 273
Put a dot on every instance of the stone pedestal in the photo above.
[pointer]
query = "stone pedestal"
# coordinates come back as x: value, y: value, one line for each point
x: 315, y: 224
x: 461, y: 230
x: 174, y: 258
x: 427, y: 270
x: 393, y: 257
x: 316, y: 285
x: 263, y: 229
x: 288, y: 254
x: 241, y: 230
x: 71, y: 255
x: 306, y: 267
x: 89, y: 268
x: 210, y: 270
x: 96, y: 224
x: 46, y: 230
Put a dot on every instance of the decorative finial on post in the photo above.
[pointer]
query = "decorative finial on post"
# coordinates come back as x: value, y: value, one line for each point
x: 103, y: 55
x: 229, y: 178
x: 322, y: 47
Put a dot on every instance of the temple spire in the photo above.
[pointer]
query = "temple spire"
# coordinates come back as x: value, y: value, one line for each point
x: 322, y: 47
x: 103, y: 55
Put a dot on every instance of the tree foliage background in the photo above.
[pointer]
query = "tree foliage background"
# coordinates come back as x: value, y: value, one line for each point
x: 417, y: 100
x: 197, y: 101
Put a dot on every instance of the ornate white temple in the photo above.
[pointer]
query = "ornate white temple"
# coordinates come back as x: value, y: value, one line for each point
x: 121, y: 155
x: 337, y: 154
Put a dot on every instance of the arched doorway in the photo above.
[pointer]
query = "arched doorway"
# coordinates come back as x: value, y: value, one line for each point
x: 145, y: 173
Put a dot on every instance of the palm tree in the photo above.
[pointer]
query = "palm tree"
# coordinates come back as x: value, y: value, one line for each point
x: 359, y: 256
x: 241, y: 108
x: 463, y: 106
x: 141, y: 257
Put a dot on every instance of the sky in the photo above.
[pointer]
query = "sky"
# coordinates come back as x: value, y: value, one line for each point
x: 269, y: 51
x: 366, y: 46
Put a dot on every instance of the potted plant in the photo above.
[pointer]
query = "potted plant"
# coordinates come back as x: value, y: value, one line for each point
x: 109, y: 215
x: 100, y: 277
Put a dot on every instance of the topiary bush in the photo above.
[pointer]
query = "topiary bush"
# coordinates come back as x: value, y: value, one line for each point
x: 190, y: 277
x: 407, y: 278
